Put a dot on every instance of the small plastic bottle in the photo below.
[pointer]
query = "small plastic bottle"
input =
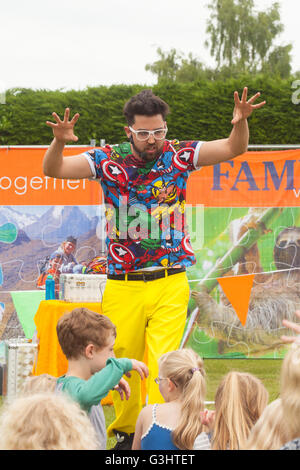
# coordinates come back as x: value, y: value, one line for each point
x: 50, y: 288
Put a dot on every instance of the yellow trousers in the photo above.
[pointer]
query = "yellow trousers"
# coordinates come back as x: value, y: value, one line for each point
x: 152, y: 313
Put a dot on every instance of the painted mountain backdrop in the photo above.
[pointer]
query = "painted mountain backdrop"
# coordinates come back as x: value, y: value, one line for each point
x: 39, y: 232
x: 21, y: 220
x: 54, y: 225
x: 59, y: 222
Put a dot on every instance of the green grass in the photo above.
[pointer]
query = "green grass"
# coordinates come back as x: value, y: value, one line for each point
x: 267, y: 370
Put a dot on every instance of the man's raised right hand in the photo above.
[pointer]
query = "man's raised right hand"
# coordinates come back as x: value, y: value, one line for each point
x: 63, y: 131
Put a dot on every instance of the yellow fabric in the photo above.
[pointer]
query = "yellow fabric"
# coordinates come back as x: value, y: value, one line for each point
x: 151, y: 312
x: 51, y: 360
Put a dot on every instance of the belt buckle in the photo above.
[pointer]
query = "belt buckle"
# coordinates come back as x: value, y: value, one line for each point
x: 144, y: 279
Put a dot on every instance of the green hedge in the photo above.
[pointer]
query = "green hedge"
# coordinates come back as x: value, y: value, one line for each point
x: 199, y: 110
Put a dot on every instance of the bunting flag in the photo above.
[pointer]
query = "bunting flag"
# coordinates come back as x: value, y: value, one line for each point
x: 238, y: 290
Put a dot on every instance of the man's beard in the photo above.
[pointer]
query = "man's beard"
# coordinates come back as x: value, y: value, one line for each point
x: 150, y: 156
x: 145, y: 155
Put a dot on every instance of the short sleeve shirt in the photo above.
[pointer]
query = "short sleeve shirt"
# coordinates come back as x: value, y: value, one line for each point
x: 145, y: 206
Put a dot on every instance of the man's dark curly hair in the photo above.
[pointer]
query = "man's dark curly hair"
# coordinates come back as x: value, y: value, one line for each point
x: 145, y: 103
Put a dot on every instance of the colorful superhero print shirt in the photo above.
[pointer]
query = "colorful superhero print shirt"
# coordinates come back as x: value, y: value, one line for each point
x: 145, y: 205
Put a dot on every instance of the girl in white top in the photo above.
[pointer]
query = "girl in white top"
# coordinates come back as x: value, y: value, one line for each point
x: 176, y: 423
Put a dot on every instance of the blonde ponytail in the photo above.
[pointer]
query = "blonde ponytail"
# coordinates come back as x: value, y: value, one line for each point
x: 239, y: 401
x: 186, y: 369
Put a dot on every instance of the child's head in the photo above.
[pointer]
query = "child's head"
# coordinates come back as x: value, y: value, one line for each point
x: 55, y: 260
x: 38, y: 384
x: 45, y: 421
x: 182, y: 377
x: 81, y: 329
x: 239, y: 401
x: 290, y: 389
x: 271, y: 431
x: 69, y: 245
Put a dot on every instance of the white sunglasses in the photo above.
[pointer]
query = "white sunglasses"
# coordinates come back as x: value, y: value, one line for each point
x: 142, y: 135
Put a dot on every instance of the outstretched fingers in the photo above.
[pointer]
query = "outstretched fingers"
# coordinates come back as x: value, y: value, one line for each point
x: 51, y: 124
x: 297, y: 313
x: 293, y: 326
x: 288, y: 339
x: 244, y: 95
x: 66, y: 118
x: 254, y: 97
x: 67, y: 115
x: 75, y: 118
x: 65, y: 126
x: 259, y: 105
x: 57, y: 118
x: 236, y: 98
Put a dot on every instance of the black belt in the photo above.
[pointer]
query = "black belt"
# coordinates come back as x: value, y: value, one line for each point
x: 145, y: 276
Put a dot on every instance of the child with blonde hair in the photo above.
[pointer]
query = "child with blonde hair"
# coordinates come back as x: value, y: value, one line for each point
x: 290, y: 395
x: 271, y: 430
x: 45, y: 421
x: 38, y: 384
x: 239, y: 401
x: 176, y: 423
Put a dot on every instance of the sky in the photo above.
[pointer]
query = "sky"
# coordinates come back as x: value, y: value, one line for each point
x: 72, y: 44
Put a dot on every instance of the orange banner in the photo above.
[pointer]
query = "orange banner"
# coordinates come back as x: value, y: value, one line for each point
x: 22, y: 181
x: 254, y: 179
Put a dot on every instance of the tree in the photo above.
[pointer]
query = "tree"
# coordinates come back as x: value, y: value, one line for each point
x: 279, y: 62
x: 241, y: 39
x: 192, y: 69
x: 166, y: 66
x: 174, y: 66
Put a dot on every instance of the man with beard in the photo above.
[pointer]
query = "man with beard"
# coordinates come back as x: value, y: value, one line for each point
x: 144, y: 185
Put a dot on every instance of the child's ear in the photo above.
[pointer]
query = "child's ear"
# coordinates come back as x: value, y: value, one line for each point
x: 171, y: 386
x: 89, y: 351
